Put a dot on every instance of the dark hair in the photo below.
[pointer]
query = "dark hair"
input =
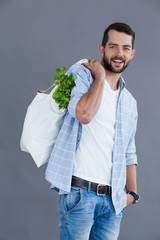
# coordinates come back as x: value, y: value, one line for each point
x: 119, y: 27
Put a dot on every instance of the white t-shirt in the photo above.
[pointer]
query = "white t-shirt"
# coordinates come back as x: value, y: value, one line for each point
x: 93, y: 160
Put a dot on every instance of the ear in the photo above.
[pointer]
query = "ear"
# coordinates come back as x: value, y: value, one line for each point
x: 101, y: 50
x: 133, y: 53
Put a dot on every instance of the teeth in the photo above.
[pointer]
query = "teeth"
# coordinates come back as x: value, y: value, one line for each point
x: 118, y: 61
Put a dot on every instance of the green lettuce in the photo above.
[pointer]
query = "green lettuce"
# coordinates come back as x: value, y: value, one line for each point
x: 65, y: 84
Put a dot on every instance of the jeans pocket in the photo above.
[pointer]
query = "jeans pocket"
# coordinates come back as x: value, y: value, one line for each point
x: 73, y: 200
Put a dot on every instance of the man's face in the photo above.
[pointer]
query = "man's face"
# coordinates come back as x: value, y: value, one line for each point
x: 118, y: 52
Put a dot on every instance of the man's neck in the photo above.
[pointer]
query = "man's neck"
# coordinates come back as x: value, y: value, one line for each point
x: 112, y: 79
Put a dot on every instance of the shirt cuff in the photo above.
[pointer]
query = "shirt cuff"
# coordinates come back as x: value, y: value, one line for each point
x: 72, y: 107
x: 132, y: 160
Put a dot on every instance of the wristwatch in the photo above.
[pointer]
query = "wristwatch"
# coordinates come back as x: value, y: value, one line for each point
x: 136, y: 197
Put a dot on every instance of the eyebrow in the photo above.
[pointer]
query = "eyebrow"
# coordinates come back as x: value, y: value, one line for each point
x: 114, y: 44
x: 127, y: 45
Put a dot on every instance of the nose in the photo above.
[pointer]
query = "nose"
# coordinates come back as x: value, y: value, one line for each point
x: 119, y: 51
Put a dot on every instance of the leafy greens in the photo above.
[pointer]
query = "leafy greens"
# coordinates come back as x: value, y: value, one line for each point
x: 65, y: 84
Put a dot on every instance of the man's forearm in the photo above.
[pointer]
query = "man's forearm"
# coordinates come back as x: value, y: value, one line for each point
x: 131, y: 183
x: 131, y: 180
x: 88, y: 105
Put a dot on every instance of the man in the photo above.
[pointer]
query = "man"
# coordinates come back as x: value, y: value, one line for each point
x: 93, y: 162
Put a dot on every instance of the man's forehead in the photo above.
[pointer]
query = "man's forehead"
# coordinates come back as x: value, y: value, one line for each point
x: 119, y: 38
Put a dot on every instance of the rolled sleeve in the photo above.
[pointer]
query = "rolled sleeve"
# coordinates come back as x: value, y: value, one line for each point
x: 83, y: 81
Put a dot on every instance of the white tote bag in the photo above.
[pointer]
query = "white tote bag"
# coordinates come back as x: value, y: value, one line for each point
x: 42, y: 124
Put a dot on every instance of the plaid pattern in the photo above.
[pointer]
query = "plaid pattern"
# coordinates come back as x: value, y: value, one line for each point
x: 60, y: 165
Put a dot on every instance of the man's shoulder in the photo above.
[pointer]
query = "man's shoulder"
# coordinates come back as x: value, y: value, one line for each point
x: 81, y: 74
x: 130, y: 101
x: 128, y: 95
x: 78, y: 68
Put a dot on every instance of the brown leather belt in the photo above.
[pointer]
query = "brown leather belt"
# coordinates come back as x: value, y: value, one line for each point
x: 100, y: 189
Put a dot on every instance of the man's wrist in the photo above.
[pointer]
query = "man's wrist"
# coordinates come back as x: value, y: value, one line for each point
x: 135, y: 196
x: 100, y: 77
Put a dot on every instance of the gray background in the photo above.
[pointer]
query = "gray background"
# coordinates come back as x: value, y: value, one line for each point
x: 37, y: 36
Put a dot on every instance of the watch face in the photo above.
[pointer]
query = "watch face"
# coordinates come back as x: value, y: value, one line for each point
x: 136, y: 197
x: 136, y: 200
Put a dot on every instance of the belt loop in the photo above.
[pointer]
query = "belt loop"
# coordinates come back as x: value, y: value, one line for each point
x: 89, y: 186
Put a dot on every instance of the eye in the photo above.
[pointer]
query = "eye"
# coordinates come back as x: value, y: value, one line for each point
x: 127, y: 49
x: 111, y: 46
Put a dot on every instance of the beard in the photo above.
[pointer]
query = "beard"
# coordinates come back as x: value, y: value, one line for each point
x: 108, y: 65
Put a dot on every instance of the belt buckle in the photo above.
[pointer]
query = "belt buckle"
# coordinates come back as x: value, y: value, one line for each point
x: 100, y: 194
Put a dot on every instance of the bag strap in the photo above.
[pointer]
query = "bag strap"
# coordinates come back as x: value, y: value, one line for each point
x: 49, y: 90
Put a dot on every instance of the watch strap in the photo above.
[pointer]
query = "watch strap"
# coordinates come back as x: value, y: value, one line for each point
x: 136, y: 197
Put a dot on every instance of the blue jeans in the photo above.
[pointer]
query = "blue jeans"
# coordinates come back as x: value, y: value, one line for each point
x: 86, y: 216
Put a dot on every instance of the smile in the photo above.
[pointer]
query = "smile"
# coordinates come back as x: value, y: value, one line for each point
x: 117, y: 62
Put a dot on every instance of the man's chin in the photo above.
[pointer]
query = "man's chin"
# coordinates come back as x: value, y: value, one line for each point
x: 116, y: 71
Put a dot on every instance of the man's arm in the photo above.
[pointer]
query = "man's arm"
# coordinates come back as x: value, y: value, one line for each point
x: 131, y: 163
x: 131, y: 183
x: 89, y: 103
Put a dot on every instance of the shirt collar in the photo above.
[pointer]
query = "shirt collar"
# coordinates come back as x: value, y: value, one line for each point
x: 122, y: 83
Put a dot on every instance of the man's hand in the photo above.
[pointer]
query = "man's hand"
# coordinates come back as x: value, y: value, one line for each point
x: 95, y: 68
x: 130, y: 200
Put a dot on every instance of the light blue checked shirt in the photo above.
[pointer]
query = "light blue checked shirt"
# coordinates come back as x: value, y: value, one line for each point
x: 60, y: 165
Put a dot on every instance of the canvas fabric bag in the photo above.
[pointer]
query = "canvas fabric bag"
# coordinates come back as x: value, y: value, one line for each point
x: 42, y: 124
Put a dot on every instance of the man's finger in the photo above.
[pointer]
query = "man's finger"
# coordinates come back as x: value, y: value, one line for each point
x: 85, y: 64
x: 92, y: 60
